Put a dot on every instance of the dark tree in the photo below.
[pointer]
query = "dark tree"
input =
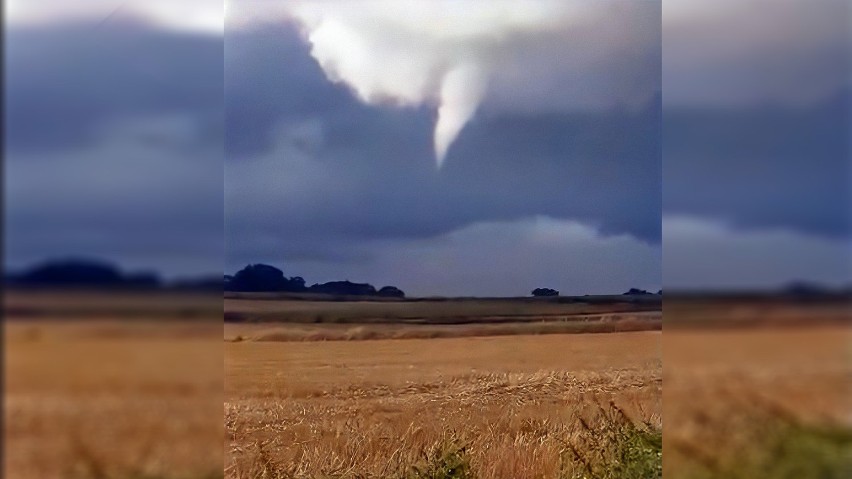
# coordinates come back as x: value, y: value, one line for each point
x: 297, y: 283
x: 142, y: 280
x: 72, y: 272
x: 82, y: 273
x: 545, y: 292
x: 262, y: 277
x: 344, y: 288
x: 391, y: 292
x: 636, y: 292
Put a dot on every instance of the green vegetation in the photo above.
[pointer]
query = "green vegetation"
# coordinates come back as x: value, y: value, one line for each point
x: 616, y: 448
x: 781, y: 450
x: 449, y: 463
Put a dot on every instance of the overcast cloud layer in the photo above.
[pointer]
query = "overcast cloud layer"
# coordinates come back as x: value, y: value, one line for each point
x: 331, y: 185
x: 455, y: 55
x: 756, y: 142
x: 330, y: 168
x: 113, y: 144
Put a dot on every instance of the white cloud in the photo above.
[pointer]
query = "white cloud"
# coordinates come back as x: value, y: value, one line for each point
x: 745, y: 52
x: 460, y: 55
x: 205, y: 16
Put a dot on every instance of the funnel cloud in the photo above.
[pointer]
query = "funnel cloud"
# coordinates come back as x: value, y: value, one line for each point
x: 461, y: 92
x: 460, y: 56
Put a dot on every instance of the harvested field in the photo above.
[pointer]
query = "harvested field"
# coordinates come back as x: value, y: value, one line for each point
x: 769, y: 312
x: 295, y: 320
x: 760, y: 395
x: 763, y: 393
x: 511, y: 406
x: 433, y: 311
x: 110, y: 305
x: 115, y: 397
x: 349, y: 332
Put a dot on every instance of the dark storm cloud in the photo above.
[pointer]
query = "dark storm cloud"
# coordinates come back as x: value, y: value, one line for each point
x: 114, y: 145
x: 757, y: 114
x: 310, y: 169
x: 270, y: 77
x: 756, y: 127
x: 65, y: 80
x: 761, y: 167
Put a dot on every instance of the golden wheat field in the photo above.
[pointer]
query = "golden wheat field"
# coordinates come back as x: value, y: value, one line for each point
x: 259, y: 317
x: 766, y: 396
x: 378, y: 408
x: 100, y: 386
x: 488, y: 388
x: 744, y: 389
x: 130, y: 387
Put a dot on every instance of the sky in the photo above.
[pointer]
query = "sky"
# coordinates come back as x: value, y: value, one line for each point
x: 756, y: 143
x: 442, y: 147
x: 113, y: 128
x: 339, y: 165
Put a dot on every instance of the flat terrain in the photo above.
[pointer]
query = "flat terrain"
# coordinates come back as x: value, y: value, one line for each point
x: 377, y: 408
x: 751, y: 390
x: 116, y: 386
x: 133, y: 391
x: 776, y: 399
x: 382, y: 389
x: 258, y: 318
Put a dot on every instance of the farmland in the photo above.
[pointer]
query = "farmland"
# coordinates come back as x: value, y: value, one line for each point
x: 112, y: 385
x: 267, y: 318
x: 487, y: 388
x: 316, y: 397
x: 757, y: 388
x: 378, y: 408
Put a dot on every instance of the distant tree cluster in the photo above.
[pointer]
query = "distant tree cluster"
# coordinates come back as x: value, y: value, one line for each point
x: 262, y: 277
x: 641, y: 292
x: 636, y: 292
x: 81, y: 273
x: 545, y: 292
x: 266, y: 278
x: 631, y: 292
x: 89, y: 273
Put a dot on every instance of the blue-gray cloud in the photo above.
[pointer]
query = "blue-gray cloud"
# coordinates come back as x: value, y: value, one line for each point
x: 113, y: 145
x: 310, y: 169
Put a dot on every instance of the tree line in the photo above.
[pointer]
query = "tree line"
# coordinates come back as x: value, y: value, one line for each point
x: 544, y: 292
x: 266, y: 278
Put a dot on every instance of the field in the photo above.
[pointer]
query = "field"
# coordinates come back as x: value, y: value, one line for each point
x: 116, y: 386
x: 105, y: 385
x: 378, y: 408
x: 270, y: 318
x: 751, y: 390
x: 757, y: 389
x: 464, y: 388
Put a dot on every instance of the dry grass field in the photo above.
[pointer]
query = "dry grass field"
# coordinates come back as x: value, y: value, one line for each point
x: 757, y: 390
x: 441, y: 388
x: 103, y: 386
x: 510, y: 406
x: 258, y: 318
x: 751, y: 390
x: 258, y: 307
x: 129, y: 387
